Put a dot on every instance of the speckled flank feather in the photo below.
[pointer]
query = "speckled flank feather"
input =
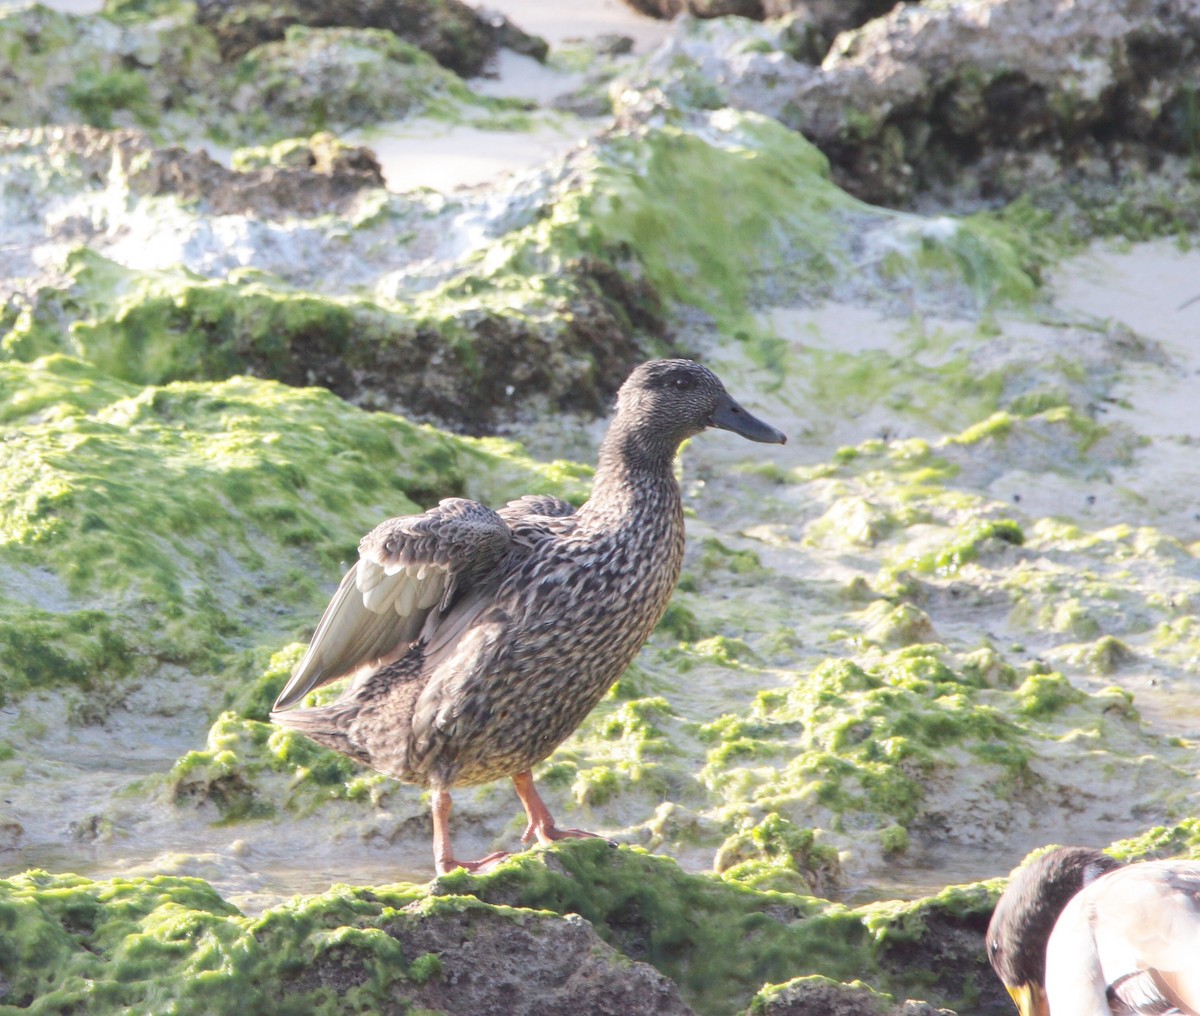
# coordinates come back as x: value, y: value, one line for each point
x: 479, y: 639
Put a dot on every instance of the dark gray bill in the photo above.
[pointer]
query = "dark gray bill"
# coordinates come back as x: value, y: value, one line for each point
x: 730, y: 416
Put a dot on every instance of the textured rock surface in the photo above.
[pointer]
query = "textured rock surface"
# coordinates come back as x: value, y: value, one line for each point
x: 821, y: 19
x: 460, y: 37
x: 495, y: 963
x: 818, y: 996
x: 980, y: 99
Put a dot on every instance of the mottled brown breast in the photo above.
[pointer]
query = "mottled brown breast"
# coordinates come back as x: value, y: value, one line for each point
x: 577, y: 615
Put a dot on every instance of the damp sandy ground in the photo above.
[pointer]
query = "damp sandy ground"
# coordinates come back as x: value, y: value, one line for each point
x: 427, y: 153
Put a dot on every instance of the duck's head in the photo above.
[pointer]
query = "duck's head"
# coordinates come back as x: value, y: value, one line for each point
x: 672, y: 400
x: 1026, y: 914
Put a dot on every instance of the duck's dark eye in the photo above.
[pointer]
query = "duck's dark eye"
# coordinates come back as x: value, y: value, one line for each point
x: 683, y: 382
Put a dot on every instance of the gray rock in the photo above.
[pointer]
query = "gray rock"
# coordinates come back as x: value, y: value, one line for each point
x: 309, y: 178
x: 819, y: 996
x: 527, y: 964
x: 459, y: 37
x: 980, y: 98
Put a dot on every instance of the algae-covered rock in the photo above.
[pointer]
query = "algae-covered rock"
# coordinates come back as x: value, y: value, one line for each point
x: 172, y: 943
x: 65, y: 68
x: 954, y: 98
x: 456, y: 35
x: 471, y: 312
x: 473, y: 367
x: 318, y: 175
x: 819, y: 996
x: 318, y: 77
x: 720, y: 941
x: 821, y: 19
x: 167, y: 68
x: 181, y: 519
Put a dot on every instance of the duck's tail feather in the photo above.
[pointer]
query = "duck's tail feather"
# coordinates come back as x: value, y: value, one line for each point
x: 328, y: 725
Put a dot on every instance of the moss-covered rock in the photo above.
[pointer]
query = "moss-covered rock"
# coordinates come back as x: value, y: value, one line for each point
x: 172, y: 943
x: 67, y: 68
x: 170, y: 524
x: 471, y: 366
x: 946, y: 100
x: 316, y: 78
x: 168, y: 68
x: 453, y: 33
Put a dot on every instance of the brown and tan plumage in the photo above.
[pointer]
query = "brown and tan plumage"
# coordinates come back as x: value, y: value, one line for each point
x: 478, y: 640
x: 1077, y: 933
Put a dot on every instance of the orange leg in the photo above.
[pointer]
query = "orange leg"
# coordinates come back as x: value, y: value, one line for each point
x: 541, y: 822
x: 443, y: 856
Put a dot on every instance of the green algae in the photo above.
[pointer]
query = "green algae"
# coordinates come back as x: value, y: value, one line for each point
x: 852, y: 521
x: 66, y: 67
x: 901, y: 379
x: 97, y: 95
x: 170, y: 944
x: 233, y: 772
x: 42, y: 648
x: 169, y: 524
x: 696, y: 930
x: 1106, y: 656
x: 779, y: 997
x: 153, y: 327
x: 770, y: 208
x: 868, y: 739
x: 1046, y: 694
x: 758, y: 856
x: 719, y: 939
x: 1179, y: 840
x: 995, y: 262
x: 979, y: 538
x: 166, y: 73
x: 892, y: 627
x: 366, y: 76
x: 629, y: 745
x: 632, y: 207
x: 1040, y: 423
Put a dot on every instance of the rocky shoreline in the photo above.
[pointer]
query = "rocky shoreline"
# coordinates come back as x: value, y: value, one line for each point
x: 954, y: 620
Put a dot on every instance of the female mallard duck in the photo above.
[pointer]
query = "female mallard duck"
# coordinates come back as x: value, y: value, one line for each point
x: 479, y: 640
x: 1077, y: 933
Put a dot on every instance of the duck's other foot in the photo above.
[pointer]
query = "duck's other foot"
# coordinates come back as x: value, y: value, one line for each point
x: 448, y: 864
x: 549, y: 833
x: 541, y: 822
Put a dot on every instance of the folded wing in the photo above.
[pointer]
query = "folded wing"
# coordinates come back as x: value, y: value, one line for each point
x: 1146, y: 922
x: 408, y: 568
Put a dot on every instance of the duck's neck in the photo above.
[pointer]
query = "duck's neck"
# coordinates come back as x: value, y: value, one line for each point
x: 635, y: 473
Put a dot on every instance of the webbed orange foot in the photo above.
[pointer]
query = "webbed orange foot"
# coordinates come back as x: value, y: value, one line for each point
x: 541, y: 822
x: 550, y: 833
x: 446, y: 865
x: 444, y: 860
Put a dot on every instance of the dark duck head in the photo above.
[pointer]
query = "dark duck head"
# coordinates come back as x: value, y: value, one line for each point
x: 665, y: 402
x: 1026, y: 914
